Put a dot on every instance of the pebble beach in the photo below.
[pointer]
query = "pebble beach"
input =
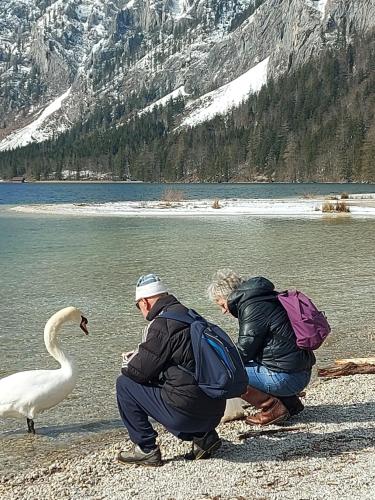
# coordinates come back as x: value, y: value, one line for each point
x: 327, y: 452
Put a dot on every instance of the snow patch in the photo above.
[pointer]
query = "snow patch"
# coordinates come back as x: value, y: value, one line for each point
x: 291, y: 207
x: 83, y: 12
x: 360, y: 196
x: 33, y: 132
x: 221, y: 100
x: 182, y: 9
x: 180, y: 91
x: 319, y: 5
x: 249, y: 20
x: 178, y: 8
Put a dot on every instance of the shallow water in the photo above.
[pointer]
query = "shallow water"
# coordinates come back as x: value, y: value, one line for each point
x: 47, y: 263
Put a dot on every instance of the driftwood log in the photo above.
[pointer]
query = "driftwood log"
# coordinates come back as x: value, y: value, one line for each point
x: 344, y: 367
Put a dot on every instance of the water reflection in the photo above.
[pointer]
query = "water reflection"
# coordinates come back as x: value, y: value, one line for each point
x: 47, y: 263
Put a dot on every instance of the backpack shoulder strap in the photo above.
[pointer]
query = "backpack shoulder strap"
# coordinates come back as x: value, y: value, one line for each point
x: 188, y: 317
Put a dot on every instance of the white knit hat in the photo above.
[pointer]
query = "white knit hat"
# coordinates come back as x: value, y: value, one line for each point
x: 148, y: 286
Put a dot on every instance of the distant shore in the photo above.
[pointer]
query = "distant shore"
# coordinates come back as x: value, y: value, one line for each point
x: 329, y: 454
x: 108, y: 181
x: 83, y: 181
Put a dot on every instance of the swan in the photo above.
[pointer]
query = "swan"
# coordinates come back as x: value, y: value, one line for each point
x: 25, y: 394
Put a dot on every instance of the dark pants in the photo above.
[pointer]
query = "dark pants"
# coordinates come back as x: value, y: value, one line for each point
x: 137, y: 402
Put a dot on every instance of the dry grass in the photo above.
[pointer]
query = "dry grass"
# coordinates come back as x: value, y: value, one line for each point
x: 309, y: 196
x: 344, y: 196
x: 328, y: 207
x: 216, y: 203
x: 340, y: 206
x: 172, y: 195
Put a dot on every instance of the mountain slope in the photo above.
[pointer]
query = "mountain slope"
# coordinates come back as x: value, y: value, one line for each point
x: 125, y: 55
x: 314, y: 124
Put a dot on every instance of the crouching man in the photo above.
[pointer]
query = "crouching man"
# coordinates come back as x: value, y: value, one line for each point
x: 156, y: 382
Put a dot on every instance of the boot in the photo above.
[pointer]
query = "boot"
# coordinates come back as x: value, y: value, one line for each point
x: 256, y: 398
x: 272, y: 409
x: 275, y: 413
x: 293, y: 404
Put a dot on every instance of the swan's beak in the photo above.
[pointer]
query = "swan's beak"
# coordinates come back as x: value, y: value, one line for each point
x: 83, y: 324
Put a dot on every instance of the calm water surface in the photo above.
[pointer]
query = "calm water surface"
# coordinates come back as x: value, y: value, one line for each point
x: 108, y: 192
x: 50, y: 262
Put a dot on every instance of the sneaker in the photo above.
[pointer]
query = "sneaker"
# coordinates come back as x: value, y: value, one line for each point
x: 203, y: 447
x: 139, y: 457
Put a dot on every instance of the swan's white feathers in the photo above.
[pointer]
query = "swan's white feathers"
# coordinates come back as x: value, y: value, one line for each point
x: 31, y: 392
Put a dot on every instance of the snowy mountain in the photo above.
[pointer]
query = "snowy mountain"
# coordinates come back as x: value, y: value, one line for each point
x: 60, y: 60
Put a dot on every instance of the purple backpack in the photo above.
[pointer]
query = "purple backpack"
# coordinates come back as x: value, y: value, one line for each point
x: 309, y: 324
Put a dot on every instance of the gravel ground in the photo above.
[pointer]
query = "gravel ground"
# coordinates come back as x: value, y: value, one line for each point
x: 330, y: 454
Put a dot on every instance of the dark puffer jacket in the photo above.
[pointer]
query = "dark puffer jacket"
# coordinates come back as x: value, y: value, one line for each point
x: 166, y: 347
x: 265, y: 333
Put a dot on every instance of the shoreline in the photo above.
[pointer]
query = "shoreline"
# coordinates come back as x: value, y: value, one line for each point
x: 108, y: 181
x: 84, y: 181
x: 360, y: 205
x: 329, y: 454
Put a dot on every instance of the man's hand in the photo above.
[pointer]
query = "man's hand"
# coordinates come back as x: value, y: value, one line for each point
x: 127, y: 355
x: 125, y: 358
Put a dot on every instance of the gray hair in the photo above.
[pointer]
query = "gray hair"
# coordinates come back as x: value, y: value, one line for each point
x: 223, y: 283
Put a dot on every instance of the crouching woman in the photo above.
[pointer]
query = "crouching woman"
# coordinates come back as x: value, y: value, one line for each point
x: 277, y: 368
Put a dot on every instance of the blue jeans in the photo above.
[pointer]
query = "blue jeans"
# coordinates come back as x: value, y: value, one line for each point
x: 276, y: 383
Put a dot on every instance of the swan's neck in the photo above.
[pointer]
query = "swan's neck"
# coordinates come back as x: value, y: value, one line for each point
x: 53, y: 346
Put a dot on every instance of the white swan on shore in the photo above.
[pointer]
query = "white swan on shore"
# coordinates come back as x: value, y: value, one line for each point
x: 25, y: 394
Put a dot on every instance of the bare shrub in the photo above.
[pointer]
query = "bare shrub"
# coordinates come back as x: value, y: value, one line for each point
x: 344, y: 196
x: 341, y: 206
x: 328, y: 207
x: 216, y: 203
x: 172, y: 195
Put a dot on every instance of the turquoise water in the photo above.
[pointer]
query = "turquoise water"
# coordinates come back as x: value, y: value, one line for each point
x: 99, y: 193
x: 50, y: 262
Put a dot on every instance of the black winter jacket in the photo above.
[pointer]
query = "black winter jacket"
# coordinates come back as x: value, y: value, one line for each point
x: 168, y: 345
x: 265, y: 333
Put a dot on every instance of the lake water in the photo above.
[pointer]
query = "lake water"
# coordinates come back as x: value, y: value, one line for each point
x: 54, y: 192
x: 50, y: 262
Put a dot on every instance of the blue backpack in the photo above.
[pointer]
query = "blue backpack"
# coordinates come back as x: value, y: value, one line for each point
x: 219, y: 370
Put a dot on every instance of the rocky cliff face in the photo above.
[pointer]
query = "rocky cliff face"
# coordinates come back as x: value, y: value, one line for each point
x: 139, y: 51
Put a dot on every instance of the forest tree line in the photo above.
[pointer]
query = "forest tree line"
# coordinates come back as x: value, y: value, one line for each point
x: 316, y: 124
